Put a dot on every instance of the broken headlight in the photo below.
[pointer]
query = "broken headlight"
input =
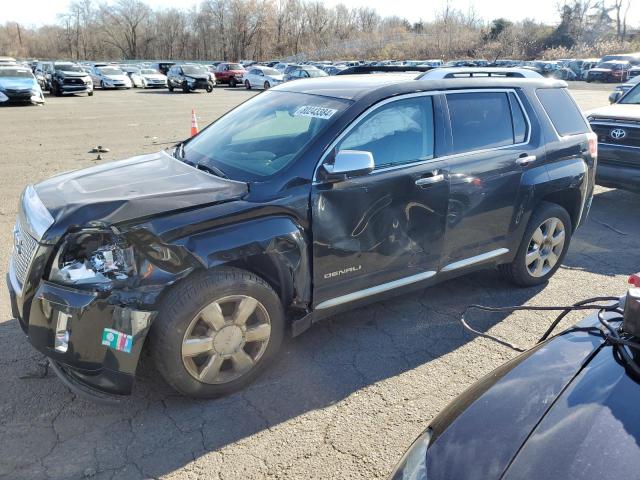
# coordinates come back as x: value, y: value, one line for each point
x: 93, y: 258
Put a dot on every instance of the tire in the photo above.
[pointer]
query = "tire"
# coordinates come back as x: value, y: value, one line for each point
x: 170, y: 87
x: 247, y: 85
x: 185, y: 87
x: 209, y: 88
x: 102, y: 85
x: 267, y: 85
x: 57, y: 91
x: 233, y: 83
x: 541, y: 267
x: 90, y: 94
x: 181, y: 322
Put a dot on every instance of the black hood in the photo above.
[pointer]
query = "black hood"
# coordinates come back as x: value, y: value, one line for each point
x: 483, y: 430
x: 197, y: 76
x: 131, y: 189
x: 71, y: 74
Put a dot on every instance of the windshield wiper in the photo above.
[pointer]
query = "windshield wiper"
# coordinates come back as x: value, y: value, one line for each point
x: 212, y: 170
x: 179, y: 154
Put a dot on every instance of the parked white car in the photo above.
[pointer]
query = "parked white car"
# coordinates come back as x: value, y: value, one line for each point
x: 152, y: 78
x: 262, y: 77
x: 109, y: 77
x: 134, y: 75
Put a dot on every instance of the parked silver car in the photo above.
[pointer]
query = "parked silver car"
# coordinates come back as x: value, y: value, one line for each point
x: 107, y: 76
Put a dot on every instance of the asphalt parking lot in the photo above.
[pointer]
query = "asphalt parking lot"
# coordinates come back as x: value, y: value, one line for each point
x: 345, y: 399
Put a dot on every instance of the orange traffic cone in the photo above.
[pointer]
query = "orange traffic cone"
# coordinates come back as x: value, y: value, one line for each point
x: 194, y: 123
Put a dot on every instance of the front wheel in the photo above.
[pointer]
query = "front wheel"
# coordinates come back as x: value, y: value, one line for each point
x: 170, y: 87
x: 216, y: 332
x: 233, y: 83
x: 267, y: 85
x: 90, y: 94
x: 185, y: 87
x: 543, y: 248
x: 247, y: 85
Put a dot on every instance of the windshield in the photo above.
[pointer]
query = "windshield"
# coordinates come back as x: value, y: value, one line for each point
x: 632, y: 97
x: 317, y: 73
x: 235, y: 66
x: 111, y: 71
x: 149, y: 71
x: 271, y: 71
x: 69, y: 68
x: 263, y: 135
x: 193, y: 70
x: 608, y: 65
x: 10, y: 72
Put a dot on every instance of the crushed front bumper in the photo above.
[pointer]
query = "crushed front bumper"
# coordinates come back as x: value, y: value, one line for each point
x: 93, y: 342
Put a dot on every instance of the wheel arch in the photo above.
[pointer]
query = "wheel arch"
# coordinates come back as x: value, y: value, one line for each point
x: 570, y: 199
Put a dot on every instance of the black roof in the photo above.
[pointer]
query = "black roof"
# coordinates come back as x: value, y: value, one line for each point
x: 355, y: 87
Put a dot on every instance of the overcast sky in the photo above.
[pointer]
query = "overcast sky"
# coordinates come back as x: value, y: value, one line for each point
x: 37, y: 12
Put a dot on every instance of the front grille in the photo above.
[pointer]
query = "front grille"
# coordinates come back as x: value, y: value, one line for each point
x: 24, y: 249
x: 73, y: 81
x: 620, y: 132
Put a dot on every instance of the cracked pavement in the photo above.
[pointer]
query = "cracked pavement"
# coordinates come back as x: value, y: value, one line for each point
x: 344, y: 400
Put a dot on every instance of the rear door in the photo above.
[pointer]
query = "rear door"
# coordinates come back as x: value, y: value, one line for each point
x: 491, y: 147
x: 385, y: 229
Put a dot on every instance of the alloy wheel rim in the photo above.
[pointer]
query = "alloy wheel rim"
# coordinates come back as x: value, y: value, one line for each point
x: 545, y: 247
x: 226, y: 339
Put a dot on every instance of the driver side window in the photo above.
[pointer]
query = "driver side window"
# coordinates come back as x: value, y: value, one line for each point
x: 399, y: 132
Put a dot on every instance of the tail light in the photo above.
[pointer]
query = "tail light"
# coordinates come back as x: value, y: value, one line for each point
x: 635, y: 280
x: 592, y: 141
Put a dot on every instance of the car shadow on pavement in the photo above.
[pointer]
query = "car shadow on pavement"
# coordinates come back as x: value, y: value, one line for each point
x: 45, y: 428
x: 607, y: 243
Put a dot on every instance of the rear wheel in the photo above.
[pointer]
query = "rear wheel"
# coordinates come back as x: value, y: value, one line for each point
x: 543, y: 248
x: 216, y: 332
x: 267, y: 85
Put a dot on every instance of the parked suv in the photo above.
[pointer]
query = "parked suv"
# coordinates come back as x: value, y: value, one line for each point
x: 308, y: 199
x: 618, y: 129
x: 229, y: 74
x: 189, y: 78
x: 70, y: 78
x: 613, y: 71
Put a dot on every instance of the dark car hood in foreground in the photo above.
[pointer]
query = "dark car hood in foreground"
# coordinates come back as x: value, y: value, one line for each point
x: 543, y: 415
x: 130, y: 189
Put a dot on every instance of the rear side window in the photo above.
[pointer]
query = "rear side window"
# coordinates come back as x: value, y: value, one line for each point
x: 562, y: 111
x: 480, y: 120
x: 519, y: 122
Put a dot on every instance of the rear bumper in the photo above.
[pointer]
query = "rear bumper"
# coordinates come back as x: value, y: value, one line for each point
x: 86, y: 365
x: 615, y: 168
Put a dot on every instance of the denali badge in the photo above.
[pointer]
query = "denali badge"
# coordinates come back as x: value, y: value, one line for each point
x: 337, y: 273
x: 618, y: 134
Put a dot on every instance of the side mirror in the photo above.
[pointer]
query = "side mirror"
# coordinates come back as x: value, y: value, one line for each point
x: 349, y: 163
x: 615, y: 96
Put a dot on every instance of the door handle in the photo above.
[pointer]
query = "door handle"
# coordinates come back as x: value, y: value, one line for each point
x: 435, y: 178
x: 526, y: 159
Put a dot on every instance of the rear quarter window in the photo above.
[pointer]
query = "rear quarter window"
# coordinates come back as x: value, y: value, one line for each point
x: 562, y: 111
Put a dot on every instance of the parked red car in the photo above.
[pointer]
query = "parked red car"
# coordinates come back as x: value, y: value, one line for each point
x: 230, y: 74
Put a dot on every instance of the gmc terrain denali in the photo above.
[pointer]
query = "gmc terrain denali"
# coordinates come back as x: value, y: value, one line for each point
x: 310, y: 198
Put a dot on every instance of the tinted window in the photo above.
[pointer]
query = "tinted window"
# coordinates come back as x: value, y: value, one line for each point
x: 562, y: 111
x: 519, y: 122
x: 396, y: 133
x: 480, y: 120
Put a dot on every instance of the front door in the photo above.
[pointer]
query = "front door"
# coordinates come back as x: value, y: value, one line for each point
x: 385, y: 229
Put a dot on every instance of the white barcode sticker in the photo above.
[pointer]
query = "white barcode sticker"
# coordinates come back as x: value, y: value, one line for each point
x: 315, y: 112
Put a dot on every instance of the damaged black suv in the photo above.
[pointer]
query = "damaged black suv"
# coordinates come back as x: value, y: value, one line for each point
x: 309, y: 198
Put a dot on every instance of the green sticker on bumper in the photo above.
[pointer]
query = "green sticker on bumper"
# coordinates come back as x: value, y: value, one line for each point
x: 119, y: 341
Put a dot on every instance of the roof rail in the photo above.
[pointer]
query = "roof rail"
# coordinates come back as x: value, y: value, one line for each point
x: 366, y: 69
